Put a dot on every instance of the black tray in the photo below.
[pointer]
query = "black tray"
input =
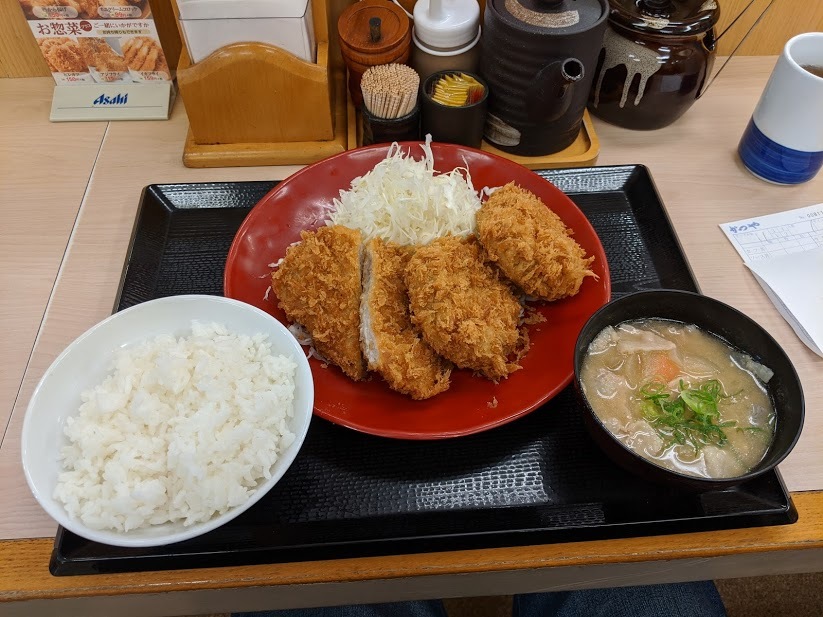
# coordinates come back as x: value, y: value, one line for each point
x: 537, y: 480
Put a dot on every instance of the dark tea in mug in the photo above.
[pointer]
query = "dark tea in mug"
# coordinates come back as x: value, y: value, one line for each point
x: 814, y: 70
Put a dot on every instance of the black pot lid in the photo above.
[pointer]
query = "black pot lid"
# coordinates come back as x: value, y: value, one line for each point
x: 676, y: 17
x: 551, y: 17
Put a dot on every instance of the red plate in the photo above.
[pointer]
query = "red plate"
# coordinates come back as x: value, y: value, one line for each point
x: 301, y: 202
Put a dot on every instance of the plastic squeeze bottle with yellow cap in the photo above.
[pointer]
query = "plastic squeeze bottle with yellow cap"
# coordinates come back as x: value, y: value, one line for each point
x: 445, y: 36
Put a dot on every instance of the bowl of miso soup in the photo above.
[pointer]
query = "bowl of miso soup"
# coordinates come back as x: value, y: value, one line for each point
x: 685, y: 390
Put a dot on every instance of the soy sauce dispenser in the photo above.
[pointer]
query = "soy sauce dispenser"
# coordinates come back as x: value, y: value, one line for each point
x: 539, y: 59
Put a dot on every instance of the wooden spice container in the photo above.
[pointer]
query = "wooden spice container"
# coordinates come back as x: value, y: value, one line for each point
x: 360, y: 47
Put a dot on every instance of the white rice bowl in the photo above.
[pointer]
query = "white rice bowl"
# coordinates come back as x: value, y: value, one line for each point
x: 160, y: 489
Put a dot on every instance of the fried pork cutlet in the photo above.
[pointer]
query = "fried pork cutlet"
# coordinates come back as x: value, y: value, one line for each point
x: 99, y: 54
x: 464, y: 311
x: 531, y: 245
x: 318, y: 286
x: 391, y: 344
x: 63, y: 55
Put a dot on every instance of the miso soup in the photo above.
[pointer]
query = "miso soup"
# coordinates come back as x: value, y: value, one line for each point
x: 680, y: 396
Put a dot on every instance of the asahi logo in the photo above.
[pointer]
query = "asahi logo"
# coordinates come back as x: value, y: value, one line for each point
x: 120, y: 99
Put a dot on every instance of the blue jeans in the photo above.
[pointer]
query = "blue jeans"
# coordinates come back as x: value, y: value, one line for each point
x: 677, y: 600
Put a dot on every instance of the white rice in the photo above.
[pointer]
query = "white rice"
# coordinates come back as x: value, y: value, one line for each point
x: 180, y: 430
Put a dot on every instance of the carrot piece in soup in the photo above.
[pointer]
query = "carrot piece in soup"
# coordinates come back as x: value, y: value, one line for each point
x: 660, y: 366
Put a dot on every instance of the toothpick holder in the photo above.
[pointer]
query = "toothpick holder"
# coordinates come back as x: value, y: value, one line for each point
x: 387, y: 130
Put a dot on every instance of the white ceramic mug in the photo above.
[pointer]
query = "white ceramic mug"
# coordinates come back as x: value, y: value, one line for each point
x: 784, y: 140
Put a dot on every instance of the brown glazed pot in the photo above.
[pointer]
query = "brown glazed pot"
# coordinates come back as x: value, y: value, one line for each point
x: 657, y: 56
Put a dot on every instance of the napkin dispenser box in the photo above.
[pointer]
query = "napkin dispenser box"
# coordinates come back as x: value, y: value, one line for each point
x: 208, y: 25
x: 253, y: 103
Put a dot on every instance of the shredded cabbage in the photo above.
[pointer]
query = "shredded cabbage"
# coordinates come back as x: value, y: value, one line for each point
x: 301, y: 334
x: 405, y: 201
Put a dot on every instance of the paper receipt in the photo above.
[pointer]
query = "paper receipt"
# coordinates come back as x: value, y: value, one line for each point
x: 785, y: 253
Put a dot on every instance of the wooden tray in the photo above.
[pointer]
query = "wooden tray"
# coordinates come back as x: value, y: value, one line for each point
x: 582, y: 153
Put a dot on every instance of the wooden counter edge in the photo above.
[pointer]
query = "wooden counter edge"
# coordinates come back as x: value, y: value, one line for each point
x: 24, y: 574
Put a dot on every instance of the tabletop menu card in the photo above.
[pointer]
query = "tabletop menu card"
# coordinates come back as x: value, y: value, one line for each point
x: 97, y: 41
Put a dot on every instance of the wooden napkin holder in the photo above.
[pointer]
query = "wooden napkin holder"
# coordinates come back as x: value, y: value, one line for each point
x: 256, y: 104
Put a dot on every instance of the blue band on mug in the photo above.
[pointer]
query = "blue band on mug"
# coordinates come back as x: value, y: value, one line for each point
x: 776, y: 163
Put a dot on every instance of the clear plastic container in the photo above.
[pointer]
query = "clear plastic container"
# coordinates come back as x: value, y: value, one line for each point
x: 445, y: 36
x: 211, y: 24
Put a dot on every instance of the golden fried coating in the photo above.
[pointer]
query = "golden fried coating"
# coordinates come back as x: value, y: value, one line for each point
x: 99, y: 54
x: 63, y: 55
x: 463, y: 309
x: 531, y: 245
x: 144, y: 53
x: 88, y: 8
x: 390, y: 343
x: 318, y: 286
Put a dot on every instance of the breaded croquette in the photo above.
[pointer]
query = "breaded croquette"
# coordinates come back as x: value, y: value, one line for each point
x: 531, y: 245
x: 391, y: 344
x: 318, y: 286
x: 463, y: 309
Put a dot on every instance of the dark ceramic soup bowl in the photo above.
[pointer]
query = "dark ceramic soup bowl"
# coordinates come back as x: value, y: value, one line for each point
x: 736, y: 329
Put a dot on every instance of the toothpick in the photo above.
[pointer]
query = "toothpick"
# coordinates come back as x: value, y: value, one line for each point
x: 390, y: 90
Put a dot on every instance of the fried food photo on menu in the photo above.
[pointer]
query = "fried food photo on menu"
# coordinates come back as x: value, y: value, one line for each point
x: 391, y: 344
x: 100, y: 55
x: 318, y: 287
x: 531, y: 245
x: 88, y: 9
x: 85, y: 9
x: 63, y: 55
x: 464, y: 311
x: 144, y: 53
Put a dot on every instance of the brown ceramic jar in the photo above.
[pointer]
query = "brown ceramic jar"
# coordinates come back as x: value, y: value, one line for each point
x: 657, y: 56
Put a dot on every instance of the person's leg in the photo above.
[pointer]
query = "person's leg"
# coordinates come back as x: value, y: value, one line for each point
x: 676, y: 600
x: 422, y: 608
